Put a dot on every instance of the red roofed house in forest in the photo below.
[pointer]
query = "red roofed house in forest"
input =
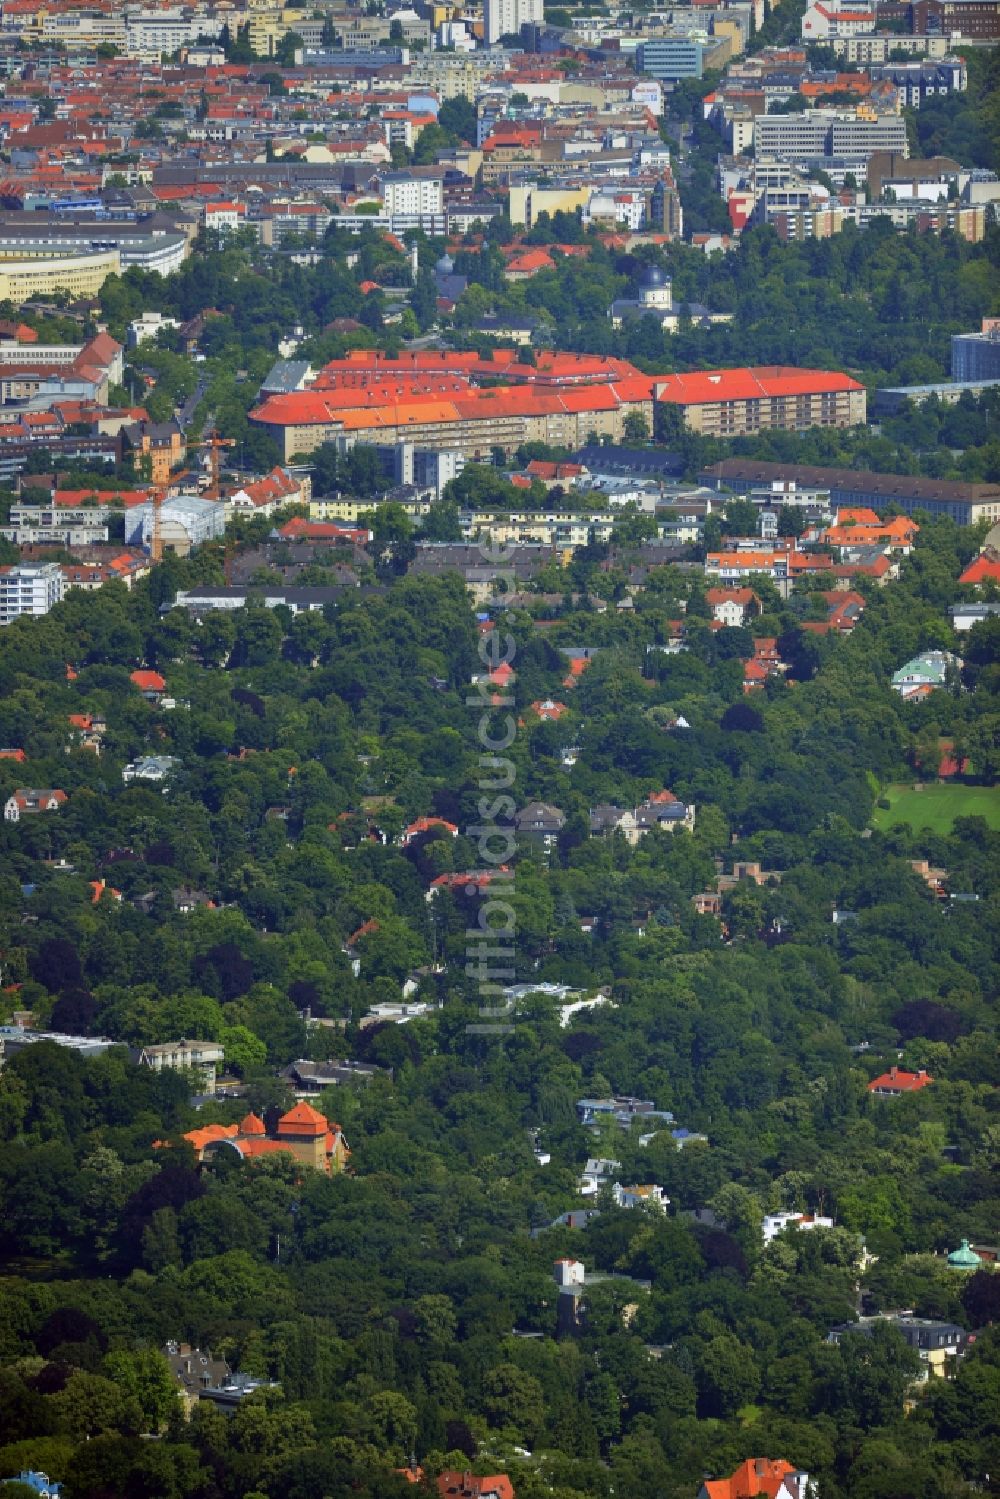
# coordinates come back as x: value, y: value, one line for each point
x: 983, y: 569
x: 452, y: 1485
x: 770, y: 1477
x: 149, y: 683
x: 896, y: 1082
x: 439, y: 826
x: 27, y: 799
x: 302, y: 1132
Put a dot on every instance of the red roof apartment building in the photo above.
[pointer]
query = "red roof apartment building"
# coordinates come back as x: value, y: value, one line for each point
x: 734, y: 403
x: 442, y: 403
x: 436, y: 400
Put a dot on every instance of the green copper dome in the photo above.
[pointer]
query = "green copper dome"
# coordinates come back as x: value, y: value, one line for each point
x: 964, y: 1258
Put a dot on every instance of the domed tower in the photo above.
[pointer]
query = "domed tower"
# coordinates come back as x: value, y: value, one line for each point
x: 444, y: 266
x: 655, y: 289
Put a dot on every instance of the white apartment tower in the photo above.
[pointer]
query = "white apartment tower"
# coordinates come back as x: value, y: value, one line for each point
x: 30, y: 588
x: 506, y: 17
x: 404, y: 193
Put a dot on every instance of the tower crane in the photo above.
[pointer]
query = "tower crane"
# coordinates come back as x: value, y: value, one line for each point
x: 214, y: 443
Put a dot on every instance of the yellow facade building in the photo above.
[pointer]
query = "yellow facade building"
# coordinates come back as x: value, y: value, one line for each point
x: 529, y: 199
x: 26, y: 276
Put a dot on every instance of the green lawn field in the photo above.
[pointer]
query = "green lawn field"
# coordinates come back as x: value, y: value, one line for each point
x: 937, y: 806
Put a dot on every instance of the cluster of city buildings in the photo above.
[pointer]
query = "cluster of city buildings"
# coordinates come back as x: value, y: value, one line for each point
x: 474, y: 405
x: 810, y: 150
x: 130, y: 130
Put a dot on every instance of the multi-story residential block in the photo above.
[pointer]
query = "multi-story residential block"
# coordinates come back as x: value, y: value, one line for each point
x: 203, y: 1057
x: 919, y: 81
x: 410, y: 193
x: 878, y: 46
x: 58, y: 532
x: 150, y: 34
x: 30, y: 588
x: 438, y: 401
x: 506, y: 17
x: 732, y: 403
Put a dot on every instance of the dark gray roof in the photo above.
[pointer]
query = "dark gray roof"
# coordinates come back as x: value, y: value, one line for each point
x: 285, y: 375
x: 540, y: 817
x: 628, y: 461
x: 449, y: 285
x: 502, y: 322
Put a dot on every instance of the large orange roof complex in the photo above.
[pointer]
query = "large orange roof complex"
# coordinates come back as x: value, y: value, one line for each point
x: 368, y: 389
x: 302, y: 1133
x: 705, y: 387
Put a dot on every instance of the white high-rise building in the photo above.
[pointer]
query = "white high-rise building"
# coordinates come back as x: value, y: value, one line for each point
x: 405, y: 193
x: 30, y: 588
x: 506, y: 17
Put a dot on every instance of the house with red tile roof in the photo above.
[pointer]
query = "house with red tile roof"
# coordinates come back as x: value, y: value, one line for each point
x: 983, y: 569
x: 300, y: 529
x: 13, y: 754
x: 436, y: 825
x: 149, y: 683
x: 732, y: 606
x: 86, y: 731
x: 548, y: 710
x: 264, y: 496
x: 755, y: 676
x: 577, y: 666
x: 895, y: 535
x: 551, y: 473
x: 470, y: 881
x: 468, y: 1485
x: 897, y: 1082
x: 27, y: 800
x: 100, y: 888
x: 760, y: 1478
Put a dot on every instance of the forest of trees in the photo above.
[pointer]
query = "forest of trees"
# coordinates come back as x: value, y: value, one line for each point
x: 390, y: 1304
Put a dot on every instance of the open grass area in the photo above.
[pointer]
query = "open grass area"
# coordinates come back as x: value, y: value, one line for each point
x: 937, y: 806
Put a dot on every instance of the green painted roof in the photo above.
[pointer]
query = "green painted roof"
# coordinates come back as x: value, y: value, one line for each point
x: 964, y: 1258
